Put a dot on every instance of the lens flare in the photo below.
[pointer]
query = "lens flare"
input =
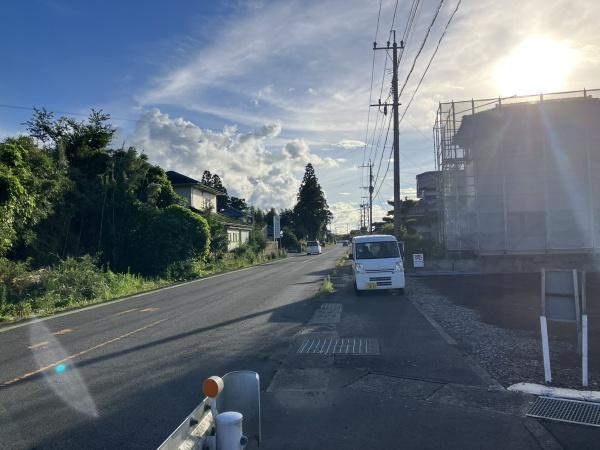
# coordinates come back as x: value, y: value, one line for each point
x: 68, y: 385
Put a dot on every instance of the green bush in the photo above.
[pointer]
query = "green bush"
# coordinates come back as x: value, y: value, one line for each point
x: 289, y: 240
x: 164, y: 237
x: 257, y: 241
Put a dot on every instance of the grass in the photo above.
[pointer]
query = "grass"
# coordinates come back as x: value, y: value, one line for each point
x: 327, y: 287
x: 79, y: 282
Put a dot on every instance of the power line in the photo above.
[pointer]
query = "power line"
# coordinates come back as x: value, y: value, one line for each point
x: 410, y: 72
x: 422, y: 45
x: 407, y: 31
x: 432, y: 58
x: 371, y: 89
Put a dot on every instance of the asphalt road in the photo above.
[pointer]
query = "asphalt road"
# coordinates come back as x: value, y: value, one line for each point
x: 125, y: 374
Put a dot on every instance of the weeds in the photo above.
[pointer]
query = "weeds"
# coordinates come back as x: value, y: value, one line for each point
x: 77, y: 282
x: 327, y: 287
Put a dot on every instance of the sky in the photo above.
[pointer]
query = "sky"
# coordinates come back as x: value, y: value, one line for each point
x: 254, y: 90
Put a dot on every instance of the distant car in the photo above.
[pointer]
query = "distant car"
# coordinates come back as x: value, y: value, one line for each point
x: 313, y: 248
x: 345, y: 243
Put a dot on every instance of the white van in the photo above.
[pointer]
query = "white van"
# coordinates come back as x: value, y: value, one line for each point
x: 377, y: 263
x: 313, y: 248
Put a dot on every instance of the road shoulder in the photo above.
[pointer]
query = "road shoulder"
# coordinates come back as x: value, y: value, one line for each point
x: 414, y: 390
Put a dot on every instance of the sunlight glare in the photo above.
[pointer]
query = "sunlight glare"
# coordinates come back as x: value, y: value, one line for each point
x: 535, y: 66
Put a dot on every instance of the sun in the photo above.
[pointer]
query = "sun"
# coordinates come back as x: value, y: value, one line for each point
x: 537, y: 65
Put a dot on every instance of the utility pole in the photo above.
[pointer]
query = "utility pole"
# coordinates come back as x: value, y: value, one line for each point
x: 395, y: 107
x: 370, y: 197
x: 369, y: 216
x: 362, y: 210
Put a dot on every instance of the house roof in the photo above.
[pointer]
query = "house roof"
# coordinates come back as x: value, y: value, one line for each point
x: 179, y: 179
x: 232, y: 212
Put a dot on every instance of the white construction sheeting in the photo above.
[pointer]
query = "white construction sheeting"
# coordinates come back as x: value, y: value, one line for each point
x: 521, y: 177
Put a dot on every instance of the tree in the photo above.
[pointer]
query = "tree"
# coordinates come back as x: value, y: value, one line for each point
x: 311, y: 213
x: 289, y: 240
x: 287, y: 218
x: 223, y: 200
x: 30, y: 183
x: 238, y: 203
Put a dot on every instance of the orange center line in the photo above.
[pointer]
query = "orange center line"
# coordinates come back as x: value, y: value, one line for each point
x: 39, y: 344
x: 78, y: 354
x: 149, y: 309
x: 63, y: 331
x: 125, y: 312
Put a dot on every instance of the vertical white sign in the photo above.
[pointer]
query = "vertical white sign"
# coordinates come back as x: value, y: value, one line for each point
x: 418, y: 260
x: 276, y: 227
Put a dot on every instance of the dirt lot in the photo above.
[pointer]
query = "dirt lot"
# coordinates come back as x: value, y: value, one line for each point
x: 495, y: 318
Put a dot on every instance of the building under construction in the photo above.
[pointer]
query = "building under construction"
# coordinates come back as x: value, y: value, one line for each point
x: 520, y: 175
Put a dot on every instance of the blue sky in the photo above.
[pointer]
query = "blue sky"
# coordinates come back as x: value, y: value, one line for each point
x: 253, y: 90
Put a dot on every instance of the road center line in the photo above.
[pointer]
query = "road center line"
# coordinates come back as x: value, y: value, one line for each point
x: 63, y: 331
x: 39, y: 344
x: 78, y: 354
x: 125, y: 312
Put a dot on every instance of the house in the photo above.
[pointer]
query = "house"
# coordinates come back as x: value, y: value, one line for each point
x: 202, y: 198
x: 197, y: 195
x: 237, y: 234
x: 236, y: 214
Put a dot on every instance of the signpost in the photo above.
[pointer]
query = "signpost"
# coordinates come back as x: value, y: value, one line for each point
x: 418, y: 260
x: 276, y: 227
x: 563, y: 300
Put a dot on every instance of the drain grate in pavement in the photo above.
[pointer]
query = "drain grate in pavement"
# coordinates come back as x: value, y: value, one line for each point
x: 340, y: 346
x: 327, y: 313
x: 562, y: 410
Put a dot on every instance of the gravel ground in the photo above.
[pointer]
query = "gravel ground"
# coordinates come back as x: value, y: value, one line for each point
x: 496, y: 320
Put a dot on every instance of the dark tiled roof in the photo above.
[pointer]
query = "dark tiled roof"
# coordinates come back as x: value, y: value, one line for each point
x: 232, y: 212
x: 179, y: 178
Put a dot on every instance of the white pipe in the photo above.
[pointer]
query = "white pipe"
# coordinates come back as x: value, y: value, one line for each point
x: 229, y: 431
x: 584, y: 350
x: 545, y: 349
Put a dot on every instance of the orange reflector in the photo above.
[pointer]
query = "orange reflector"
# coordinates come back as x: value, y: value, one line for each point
x: 212, y: 386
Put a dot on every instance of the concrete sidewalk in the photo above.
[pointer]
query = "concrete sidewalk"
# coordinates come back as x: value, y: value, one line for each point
x: 419, y: 392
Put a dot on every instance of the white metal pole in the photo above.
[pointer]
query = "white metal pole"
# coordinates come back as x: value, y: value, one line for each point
x: 545, y: 349
x: 584, y: 350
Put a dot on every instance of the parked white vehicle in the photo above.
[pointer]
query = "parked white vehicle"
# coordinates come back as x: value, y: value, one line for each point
x: 313, y: 248
x: 377, y: 263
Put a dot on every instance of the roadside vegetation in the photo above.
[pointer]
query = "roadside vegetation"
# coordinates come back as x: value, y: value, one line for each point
x: 81, y: 222
x: 327, y: 286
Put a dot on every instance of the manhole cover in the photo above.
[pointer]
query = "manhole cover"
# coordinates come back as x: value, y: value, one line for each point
x: 563, y: 410
x: 340, y: 346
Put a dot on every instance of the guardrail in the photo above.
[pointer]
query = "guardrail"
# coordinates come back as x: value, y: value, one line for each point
x: 231, y: 407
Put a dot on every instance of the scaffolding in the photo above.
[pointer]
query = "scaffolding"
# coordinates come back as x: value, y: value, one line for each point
x: 518, y: 174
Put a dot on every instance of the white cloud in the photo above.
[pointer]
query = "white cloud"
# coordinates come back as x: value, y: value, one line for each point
x: 350, y: 143
x: 307, y: 62
x: 247, y: 167
x: 346, y: 213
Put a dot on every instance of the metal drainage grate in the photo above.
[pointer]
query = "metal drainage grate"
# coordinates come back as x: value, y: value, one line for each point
x: 345, y: 346
x: 562, y: 410
x: 327, y: 313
